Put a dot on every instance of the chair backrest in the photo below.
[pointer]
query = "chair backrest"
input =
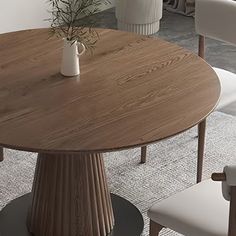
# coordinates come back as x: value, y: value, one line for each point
x: 216, y: 19
x: 228, y: 179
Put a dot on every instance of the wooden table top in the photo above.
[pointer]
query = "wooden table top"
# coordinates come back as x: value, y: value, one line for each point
x: 133, y: 91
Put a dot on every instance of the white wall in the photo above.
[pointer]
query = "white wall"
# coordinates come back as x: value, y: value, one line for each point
x: 25, y: 14
x: 22, y: 14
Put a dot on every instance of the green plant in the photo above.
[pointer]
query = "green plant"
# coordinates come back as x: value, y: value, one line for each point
x: 66, y: 16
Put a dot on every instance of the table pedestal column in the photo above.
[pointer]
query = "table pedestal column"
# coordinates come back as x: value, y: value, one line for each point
x: 70, y: 196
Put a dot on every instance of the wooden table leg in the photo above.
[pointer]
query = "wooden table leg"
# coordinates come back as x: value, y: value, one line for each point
x: 154, y: 228
x: 201, y: 145
x: 70, y: 196
x: 1, y: 154
x: 143, y: 154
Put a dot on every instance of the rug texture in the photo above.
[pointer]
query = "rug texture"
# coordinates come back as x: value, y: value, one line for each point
x: 170, y: 168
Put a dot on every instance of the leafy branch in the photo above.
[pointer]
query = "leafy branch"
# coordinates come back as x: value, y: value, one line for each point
x: 66, y: 16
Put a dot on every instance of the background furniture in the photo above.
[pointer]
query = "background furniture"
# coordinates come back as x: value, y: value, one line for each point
x: 199, y: 210
x: 215, y: 19
x: 185, y: 7
x: 139, y: 16
x: 71, y: 122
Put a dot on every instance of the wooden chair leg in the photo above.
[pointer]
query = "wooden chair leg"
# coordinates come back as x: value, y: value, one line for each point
x: 155, y: 228
x: 232, y: 214
x: 1, y: 154
x: 201, y: 145
x: 143, y: 154
x: 202, y: 125
x: 201, y: 46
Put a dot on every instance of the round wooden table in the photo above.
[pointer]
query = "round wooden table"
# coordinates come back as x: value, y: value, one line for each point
x: 133, y: 91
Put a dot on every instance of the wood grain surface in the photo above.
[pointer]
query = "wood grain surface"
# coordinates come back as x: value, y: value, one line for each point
x: 70, y: 196
x: 133, y: 91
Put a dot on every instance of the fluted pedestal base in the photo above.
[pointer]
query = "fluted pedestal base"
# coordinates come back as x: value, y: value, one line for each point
x: 70, y: 198
x: 145, y: 29
x: 128, y: 220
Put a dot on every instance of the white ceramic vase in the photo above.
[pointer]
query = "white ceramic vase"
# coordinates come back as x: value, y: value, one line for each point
x: 139, y: 16
x: 70, y: 58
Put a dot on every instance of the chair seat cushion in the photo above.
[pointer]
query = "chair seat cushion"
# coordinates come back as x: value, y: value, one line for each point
x: 228, y: 87
x: 199, y: 210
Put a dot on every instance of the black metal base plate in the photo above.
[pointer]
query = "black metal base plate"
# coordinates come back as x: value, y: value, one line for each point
x: 128, y: 219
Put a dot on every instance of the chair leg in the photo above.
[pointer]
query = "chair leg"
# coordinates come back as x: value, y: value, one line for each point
x: 1, y: 154
x: 143, y: 154
x: 201, y: 46
x: 154, y: 228
x: 201, y: 145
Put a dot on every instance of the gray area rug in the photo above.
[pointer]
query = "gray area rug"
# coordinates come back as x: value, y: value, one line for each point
x: 171, y: 166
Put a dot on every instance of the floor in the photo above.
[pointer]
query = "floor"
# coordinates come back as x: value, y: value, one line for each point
x: 180, y: 29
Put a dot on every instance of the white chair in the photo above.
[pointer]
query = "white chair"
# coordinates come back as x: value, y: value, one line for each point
x: 201, y: 210
x: 216, y: 19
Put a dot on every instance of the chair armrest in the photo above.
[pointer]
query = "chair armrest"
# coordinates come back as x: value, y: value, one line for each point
x: 216, y: 19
